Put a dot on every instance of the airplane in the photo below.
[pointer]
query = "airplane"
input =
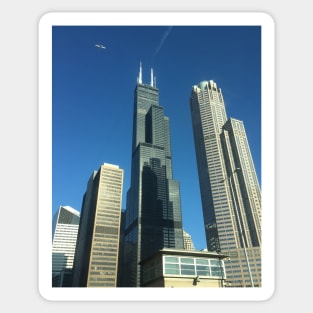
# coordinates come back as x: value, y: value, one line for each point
x: 100, y: 46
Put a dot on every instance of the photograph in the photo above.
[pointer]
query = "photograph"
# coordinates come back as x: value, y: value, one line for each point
x: 156, y: 156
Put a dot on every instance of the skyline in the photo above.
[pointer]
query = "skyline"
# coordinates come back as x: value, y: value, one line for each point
x: 93, y: 92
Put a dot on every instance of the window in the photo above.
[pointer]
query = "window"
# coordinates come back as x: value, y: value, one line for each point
x: 193, y: 266
x: 188, y: 269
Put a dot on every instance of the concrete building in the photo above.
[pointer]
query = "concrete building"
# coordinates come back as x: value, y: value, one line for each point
x: 229, y: 187
x: 97, y: 252
x: 188, y: 244
x: 174, y: 268
x: 64, y: 237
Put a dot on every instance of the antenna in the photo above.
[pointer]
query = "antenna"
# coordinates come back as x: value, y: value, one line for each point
x: 151, y: 82
x: 140, y: 75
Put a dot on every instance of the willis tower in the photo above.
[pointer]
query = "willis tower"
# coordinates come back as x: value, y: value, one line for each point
x: 153, y: 209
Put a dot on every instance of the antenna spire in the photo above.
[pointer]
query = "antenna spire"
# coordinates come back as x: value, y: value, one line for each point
x: 151, y: 81
x: 140, y: 75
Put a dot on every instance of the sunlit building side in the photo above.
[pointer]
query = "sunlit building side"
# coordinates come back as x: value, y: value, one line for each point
x: 229, y: 187
x: 97, y: 252
x: 64, y: 237
x: 188, y: 243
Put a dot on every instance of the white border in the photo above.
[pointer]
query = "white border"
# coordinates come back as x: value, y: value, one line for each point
x: 45, y: 156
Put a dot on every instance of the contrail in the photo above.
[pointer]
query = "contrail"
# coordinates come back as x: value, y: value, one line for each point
x: 162, y: 40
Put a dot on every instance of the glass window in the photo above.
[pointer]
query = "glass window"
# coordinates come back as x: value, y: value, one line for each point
x: 171, y: 266
x: 187, y: 269
x: 203, y: 273
x: 215, y: 262
x: 170, y: 259
x: 202, y: 261
x: 172, y: 271
x: 202, y: 268
x: 187, y: 260
x: 216, y: 271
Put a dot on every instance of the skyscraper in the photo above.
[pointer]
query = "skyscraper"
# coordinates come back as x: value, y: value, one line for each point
x: 188, y: 244
x: 64, y: 236
x: 96, y: 256
x: 229, y: 187
x: 153, y: 210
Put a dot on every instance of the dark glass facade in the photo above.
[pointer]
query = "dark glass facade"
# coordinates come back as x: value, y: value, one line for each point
x: 153, y: 209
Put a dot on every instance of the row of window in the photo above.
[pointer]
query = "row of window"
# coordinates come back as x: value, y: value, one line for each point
x: 193, y: 266
x: 106, y: 241
x: 102, y: 251
x: 112, y: 273
x: 65, y: 240
x: 114, y: 200
x: 101, y: 279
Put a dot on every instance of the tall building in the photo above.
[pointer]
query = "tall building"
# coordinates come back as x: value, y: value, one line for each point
x: 120, y: 273
x: 64, y: 236
x: 229, y: 187
x: 188, y: 244
x: 153, y: 210
x: 96, y: 256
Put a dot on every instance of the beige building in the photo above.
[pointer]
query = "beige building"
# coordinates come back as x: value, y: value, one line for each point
x: 96, y: 257
x: 188, y: 244
x: 229, y: 186
x: 181, y: 268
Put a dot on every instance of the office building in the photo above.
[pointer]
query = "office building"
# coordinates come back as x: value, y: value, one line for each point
x: 96, y: 256
x: 188, y: 244
x: 64, y: 236
x: 120, y: 272
x: 153, y: 209
x: 229, y: 187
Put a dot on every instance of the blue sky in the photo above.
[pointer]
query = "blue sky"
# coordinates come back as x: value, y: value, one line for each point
x: 93, y: 92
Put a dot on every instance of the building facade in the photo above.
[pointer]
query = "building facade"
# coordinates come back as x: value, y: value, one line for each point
x: 64, y: 237
x: 96, y: 256
x: 229, y: 187
x: 188, y: 243
x: 174, y: 268
x: 153, y: 210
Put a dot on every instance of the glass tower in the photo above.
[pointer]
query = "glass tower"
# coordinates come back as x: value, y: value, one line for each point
x: 230, y: 192
x: 153, y: 210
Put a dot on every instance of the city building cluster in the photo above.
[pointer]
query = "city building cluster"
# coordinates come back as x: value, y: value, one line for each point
x: 145, y: 245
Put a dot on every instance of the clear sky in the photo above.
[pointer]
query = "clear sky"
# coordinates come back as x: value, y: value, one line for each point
x: 93, y: 100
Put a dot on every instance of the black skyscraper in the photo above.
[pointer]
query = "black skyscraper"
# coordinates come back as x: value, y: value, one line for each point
x: 153, y: 211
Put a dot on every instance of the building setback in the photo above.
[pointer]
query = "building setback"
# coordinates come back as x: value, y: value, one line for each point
x: 153, y: 210
x: 64, y: 236
x: 230, y: 192
x: 96, y: 257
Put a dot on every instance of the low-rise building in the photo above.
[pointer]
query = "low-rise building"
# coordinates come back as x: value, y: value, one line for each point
x: 182, y: 268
